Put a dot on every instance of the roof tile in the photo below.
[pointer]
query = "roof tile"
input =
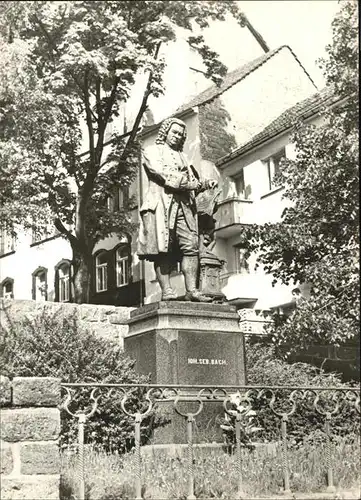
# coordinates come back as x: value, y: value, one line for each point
x: 229, y: 80
x: 287, y: 119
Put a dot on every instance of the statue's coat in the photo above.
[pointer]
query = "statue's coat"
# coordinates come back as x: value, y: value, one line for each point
x: 164, y: 189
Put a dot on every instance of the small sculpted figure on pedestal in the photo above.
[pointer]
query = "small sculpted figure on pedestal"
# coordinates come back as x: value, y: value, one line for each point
x: 169, y: 230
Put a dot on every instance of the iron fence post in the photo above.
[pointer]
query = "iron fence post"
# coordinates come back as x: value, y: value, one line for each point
x: 240, y: 493
x: 138, y: 481
x: 286, y: 475
x: 81, y: 423
x: 330, y: 486
x: 190, y: 420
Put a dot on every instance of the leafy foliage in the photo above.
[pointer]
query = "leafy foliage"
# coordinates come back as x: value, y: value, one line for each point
x: 56, y: 345
x: 68, y: 68
x: 264, y: 368
x: 317, y: 239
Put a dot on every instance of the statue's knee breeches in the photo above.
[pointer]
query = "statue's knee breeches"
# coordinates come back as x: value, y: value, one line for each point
x: 187, y: 239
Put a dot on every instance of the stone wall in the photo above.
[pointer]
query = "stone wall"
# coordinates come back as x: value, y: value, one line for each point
x: 216, y: 139
x: 104, y: 321
x: 30, y: 427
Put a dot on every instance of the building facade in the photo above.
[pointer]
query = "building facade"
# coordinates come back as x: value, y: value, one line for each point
x: 218, y: 119
x: 251, y: 196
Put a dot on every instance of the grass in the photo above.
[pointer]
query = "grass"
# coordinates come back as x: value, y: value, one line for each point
x: 112, y: 477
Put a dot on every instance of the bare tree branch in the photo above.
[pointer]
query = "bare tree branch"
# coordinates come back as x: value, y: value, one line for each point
x: 141, y: 111
x: 89, y: 121
x: 63, y: 230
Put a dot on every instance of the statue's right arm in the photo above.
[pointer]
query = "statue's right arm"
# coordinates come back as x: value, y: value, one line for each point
x: 174, y: 180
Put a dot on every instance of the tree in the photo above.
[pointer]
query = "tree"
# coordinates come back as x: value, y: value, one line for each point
x: 317, y: 239
x: 67, y: 68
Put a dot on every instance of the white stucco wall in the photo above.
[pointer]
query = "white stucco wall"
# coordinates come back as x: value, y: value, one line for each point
x: 252, y: 104
x: 267, y: 206
x: 264, y: 94
x: 180, y: 82
x: 26, y: 259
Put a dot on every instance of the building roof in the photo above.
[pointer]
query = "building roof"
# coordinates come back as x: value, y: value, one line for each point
x: 230, y: 79
x: 302, y: 110
x: 234, y: 77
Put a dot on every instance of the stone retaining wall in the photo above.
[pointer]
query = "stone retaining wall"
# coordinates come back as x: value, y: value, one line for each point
x: 105, y: 321
x: 30, y: 427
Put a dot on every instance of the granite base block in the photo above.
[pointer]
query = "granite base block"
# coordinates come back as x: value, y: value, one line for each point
x: 187, y: 344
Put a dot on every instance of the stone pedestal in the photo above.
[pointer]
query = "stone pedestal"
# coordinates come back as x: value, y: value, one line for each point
x: 209, y: 279
x: 187, y: 343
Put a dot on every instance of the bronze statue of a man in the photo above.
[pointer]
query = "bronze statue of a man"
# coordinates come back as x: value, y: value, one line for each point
x: 169, y: 225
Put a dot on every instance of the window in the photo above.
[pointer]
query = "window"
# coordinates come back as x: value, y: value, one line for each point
x: 117, y: 200
x: 63, y: 281
x: 273, y: 167
x: 39, y: 235
x: 240, y: 185
x: 243, y: 190
x: 122, y: 266
x: 121, y: 198
x: 101, y: 272
x: 242, y: 266
x: 40, y: 286
x: 64, y: 284
x: 7, y: 288
x: 43, y: 233
x: 7, y: 241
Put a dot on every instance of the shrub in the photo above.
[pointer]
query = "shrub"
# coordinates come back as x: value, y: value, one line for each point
x: 57, y: 345
x: 264, y: 368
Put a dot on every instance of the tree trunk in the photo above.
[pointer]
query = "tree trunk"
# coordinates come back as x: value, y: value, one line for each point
x: 82, y: 277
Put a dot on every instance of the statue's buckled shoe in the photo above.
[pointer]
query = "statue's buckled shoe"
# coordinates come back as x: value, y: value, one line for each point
x: 169, y: 294
x: 197, y: 296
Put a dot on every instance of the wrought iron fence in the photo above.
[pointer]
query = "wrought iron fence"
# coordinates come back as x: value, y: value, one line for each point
x: 240, y: 406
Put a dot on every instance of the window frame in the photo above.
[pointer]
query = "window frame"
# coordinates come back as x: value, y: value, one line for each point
x: 38, y: 271
x: 103, y: 266
x: 3, y: 284
x: 238, y: 250
x: 7, y: 242
x: 125, y: 262
x: 64, y: 284
x: 59, y: 279
x: 273, y: 167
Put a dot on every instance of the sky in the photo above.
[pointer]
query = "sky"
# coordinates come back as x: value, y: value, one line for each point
x: 304, y: 25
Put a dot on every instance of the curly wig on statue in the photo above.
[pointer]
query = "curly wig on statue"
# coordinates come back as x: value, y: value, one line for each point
x: 164, y: 129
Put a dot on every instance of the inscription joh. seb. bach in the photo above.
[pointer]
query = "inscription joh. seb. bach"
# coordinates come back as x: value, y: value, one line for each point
x: 206, y: 361
x: 207, y: 357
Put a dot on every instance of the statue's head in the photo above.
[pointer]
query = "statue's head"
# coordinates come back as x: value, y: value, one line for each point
x: 173, y: 132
